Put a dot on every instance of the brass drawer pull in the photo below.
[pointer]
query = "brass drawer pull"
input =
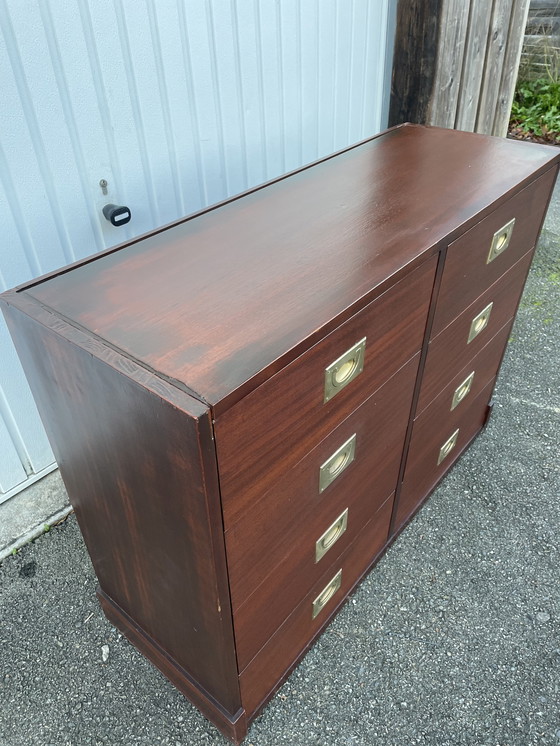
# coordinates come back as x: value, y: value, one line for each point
x: 331, y: 535
x: 462, y: 390
x: 500, y: 241
x: 480, y: 322
x: 344, y: 369
x: 335, y: 464
x: 326, y: 594
x: 448, y: 446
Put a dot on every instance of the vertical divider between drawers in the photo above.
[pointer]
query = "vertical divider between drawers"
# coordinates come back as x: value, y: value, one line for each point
x: 417, y: 385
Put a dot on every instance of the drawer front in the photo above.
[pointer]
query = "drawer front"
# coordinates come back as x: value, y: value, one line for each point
x: 268, y: 668
x: 278, y: 535
x: 480, y: 256
x: 262, y: 614
x: 451, y: 350
x: 468, y: 382
x: 290, y: 407
x: 438, y: 439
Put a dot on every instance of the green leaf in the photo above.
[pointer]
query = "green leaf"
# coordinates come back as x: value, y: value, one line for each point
x: 536, y: 107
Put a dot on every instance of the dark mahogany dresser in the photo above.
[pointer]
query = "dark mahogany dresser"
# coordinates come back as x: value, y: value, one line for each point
x: 248, y: 405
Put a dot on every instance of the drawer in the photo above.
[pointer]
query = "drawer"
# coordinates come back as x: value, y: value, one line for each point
x: 470, y: 380
x: 290, y: 407
x: 451, y: 350
x: 361, y: 456
x: 477, y: 259
x: 274, y: 600
x: 260, y: 678
x: 438, y: 439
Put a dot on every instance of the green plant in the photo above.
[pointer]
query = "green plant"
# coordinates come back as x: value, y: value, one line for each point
x: 536, y: 107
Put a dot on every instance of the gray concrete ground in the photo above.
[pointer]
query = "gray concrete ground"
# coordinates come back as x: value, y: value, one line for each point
x: 25, y: 516
x: 453, y: 639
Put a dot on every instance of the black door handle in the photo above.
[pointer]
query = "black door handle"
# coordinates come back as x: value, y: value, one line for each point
x: 117, y: 214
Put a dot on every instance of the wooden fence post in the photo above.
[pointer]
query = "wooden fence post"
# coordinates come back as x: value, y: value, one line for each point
x: 456, y: 62
x: 414, y: 60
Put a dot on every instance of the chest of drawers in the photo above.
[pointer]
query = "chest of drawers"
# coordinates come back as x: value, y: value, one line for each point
x: 248, y: 405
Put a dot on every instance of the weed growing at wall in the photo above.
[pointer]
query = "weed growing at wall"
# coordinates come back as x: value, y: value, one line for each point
x: 535, y: 113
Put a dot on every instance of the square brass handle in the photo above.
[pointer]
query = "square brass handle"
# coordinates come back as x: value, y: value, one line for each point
x: 448, y: 446
x: 462, y: 390
x: 337, y: 463
x: 480, y: 322
x: 331, y: 535
x: 326, y: 594
x: 344, y: 369
x: 500, y: 241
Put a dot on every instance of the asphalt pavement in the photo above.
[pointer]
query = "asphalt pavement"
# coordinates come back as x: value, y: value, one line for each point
x: 454, y: 637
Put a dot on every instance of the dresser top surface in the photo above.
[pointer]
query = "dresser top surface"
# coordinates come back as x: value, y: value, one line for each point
x: 220, y: 301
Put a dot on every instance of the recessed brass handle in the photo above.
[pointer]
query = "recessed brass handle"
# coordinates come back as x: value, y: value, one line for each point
x: 331, y: 535
x: 344, y: 369
x: 480, y: 322
x: 500, y: 241
x: 462, y: 390
x: 326, y: 594
x: 448, y: 446
x: 337, y: 463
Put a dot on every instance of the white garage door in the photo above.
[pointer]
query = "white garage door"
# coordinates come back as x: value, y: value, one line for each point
x: 176, y: 104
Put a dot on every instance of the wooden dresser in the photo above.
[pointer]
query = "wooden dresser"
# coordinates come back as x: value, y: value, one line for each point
x: 248, y: 405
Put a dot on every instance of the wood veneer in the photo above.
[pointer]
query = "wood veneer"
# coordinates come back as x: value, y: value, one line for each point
x: 280, y: 526
x: 180, y: 378
x: 431, y: 430
x: 485, y: 365
x: 268, y: 669
x: 147, y: 506
x: 449, y: 351
x: 257, y: 280
x: 248, y: 448
x: 466, y: 270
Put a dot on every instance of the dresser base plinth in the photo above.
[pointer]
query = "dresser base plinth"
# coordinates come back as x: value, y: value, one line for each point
x: 233, y: 726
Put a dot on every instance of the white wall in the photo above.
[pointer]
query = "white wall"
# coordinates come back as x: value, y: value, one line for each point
x: 177, y: 104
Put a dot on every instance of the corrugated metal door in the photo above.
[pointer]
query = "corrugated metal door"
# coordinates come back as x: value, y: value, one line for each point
x: 176, y: 105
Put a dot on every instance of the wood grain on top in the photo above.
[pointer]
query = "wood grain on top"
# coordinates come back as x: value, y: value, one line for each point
x: 219, y: 302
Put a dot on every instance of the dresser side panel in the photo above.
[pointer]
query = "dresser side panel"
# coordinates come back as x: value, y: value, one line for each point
x: 140, y: 471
